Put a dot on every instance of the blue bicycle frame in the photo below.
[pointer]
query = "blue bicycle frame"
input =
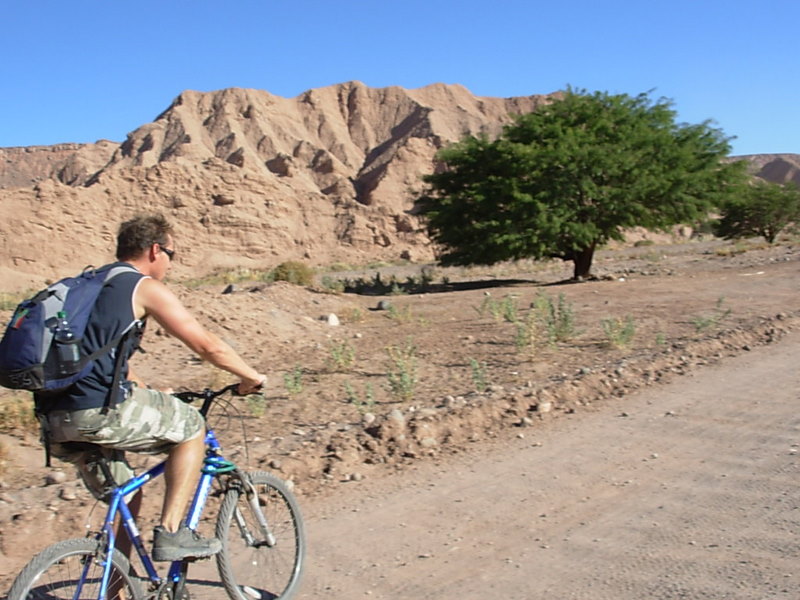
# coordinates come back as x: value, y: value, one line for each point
x: 214, y: 464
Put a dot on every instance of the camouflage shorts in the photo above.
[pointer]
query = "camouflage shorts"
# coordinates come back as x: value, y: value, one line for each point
x: 148, y: 422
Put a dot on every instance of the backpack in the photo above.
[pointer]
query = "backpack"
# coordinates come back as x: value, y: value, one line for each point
x: 41, y: 348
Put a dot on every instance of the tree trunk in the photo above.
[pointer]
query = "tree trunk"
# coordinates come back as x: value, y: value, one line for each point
x: 583, y: 262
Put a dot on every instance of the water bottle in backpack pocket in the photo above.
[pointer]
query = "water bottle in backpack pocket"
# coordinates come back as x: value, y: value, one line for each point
x: 67, y: 346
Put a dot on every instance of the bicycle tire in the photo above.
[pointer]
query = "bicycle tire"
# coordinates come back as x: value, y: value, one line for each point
x: 53, y: 573
x: 253, y: 570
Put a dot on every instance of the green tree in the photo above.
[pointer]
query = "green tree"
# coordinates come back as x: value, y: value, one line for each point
x: 571, y: 176
x: 763, y: 208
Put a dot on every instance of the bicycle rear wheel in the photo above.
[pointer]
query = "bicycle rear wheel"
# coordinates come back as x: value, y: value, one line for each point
x: 59, y: 570
x: 258, y: 563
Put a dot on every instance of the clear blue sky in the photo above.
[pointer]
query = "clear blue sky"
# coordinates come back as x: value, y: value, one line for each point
x: 83, y: 70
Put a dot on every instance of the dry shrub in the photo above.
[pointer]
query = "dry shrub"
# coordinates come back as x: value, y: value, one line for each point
x: 294, y: 272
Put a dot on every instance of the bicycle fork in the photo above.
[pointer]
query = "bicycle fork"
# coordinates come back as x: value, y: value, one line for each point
x: 267, y: 536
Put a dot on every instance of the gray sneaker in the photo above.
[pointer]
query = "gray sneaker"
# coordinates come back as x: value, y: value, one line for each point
x: 184, y: 543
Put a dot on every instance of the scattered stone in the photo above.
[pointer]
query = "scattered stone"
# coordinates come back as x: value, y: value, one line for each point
x: 396, y: 417
x: 55, y: 477
x: 356, y: 477
x: 67, y: 494
x: 384, y: 305
x: 275, y: 464
x: 331, y: 320
x: 544, y: 407
x: 230, y: 289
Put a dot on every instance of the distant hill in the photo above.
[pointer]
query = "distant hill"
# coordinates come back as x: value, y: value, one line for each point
x: 252, y: 179
x: 778, y: 168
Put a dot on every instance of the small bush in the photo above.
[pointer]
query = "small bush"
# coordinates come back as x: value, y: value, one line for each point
x: 16, y: 412
x: 9, y: 301
x: 332, y: 284
x: 294, y: 272
x: 3, y: 457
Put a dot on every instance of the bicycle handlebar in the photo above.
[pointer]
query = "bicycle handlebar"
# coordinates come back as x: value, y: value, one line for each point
x: 207, y: 396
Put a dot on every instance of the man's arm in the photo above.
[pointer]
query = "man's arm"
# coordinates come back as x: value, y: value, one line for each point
x: 154, y: 299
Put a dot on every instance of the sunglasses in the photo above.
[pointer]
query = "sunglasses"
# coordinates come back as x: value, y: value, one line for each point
x: 170, y: 253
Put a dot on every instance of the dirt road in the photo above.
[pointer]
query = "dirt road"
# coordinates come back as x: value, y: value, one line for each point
x: 683, y: 491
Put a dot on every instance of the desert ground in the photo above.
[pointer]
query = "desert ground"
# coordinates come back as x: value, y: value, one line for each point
x: 588, y: 467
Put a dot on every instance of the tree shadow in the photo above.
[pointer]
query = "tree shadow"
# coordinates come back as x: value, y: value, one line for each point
x: 377, y: 286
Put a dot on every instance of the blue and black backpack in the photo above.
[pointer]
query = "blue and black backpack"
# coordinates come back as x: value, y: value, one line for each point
x: 32, y: 355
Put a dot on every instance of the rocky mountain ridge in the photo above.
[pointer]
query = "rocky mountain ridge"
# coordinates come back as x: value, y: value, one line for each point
x: 250, y: 178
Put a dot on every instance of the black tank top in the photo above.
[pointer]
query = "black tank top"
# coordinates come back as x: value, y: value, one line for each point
x: 111, y: 316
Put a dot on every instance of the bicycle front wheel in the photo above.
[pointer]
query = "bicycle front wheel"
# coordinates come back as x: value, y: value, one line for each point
x: 263, y: 541
x: 72, y: 569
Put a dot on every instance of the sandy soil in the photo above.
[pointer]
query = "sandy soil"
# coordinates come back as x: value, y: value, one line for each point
x: 683, y: 491
x: 452, y: 450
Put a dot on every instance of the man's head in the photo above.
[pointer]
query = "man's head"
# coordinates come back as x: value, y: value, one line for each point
x: 145, y: 238
x: 140, y: 234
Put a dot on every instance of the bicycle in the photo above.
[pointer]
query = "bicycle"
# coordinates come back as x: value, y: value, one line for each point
x: 258, y: 515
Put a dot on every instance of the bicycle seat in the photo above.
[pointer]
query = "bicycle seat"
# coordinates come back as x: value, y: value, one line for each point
x: 80, y: 446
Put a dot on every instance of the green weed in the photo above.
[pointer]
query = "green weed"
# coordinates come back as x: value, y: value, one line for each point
x: 401, y: 315
x: 619, y: 332
x: 293, y: 381
x: 501, y: 310
x: 342, y: 356
x: 527, y: 334
x: 363, y: 405
x: 558, y: 317
x: 705, y: 322
x: 402, y: 370
x: 479, y: 375
x: 256, y: 404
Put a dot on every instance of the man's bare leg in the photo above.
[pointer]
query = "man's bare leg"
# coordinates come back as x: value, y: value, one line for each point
x: 116, y: 591
x: 182, y: 472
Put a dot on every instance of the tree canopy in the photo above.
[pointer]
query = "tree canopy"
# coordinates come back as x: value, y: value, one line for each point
x: 763, y: 209
x: 571, y: 176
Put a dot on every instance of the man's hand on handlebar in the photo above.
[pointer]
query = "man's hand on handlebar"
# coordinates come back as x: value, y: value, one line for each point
x: 251, y: 386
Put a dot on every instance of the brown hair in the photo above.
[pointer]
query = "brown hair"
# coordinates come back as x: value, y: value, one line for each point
x: 141, y: 232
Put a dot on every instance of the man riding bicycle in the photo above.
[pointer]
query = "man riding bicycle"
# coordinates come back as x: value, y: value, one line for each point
x: 133, y: 416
